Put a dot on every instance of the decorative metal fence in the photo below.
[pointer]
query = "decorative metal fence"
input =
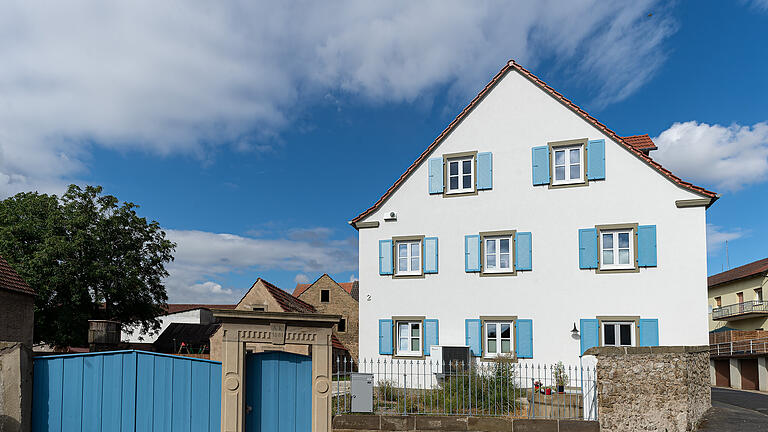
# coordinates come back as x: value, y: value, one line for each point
x: 496, y: 388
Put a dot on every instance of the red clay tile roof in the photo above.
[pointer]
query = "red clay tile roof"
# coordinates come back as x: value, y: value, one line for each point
x: 336, y: 343
x: 11, y: 281
x: 183, y: 307
x: 742, y: 272
x: 640, y: 142
x: 512, y: 65
x: 288, y: 302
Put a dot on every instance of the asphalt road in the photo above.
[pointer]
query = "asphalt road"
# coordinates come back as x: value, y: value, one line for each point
x: 736, y: 411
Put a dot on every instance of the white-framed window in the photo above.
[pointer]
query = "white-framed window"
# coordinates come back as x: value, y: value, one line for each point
x: 409, y: 338
x: 498, y: 337
x: 497, y: 254
x: 408, y: 257
x: 617, y: 249
x: 568, y: 164
x: 618, y: 333
x: 461, y: 174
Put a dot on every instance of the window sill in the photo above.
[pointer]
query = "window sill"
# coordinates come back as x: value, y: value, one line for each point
x: 457, y: 194
x: 419, y: 356
x: 568, y: 185
x: 617, y: 270
x: 509, y: 356
x: 408, y: 276
x: 492, y: 274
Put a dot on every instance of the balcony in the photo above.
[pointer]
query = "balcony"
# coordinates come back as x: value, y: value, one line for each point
x: 738, y: 311
x: 749, y: 347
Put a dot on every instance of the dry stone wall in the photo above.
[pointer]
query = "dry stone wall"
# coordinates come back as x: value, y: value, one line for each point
x: 652, y: 388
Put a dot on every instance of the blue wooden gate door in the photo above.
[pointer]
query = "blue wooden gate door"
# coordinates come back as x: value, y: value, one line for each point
x: 278, y: 392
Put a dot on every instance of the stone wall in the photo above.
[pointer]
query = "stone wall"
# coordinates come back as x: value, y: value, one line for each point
x: 652, y: 388
x: 416, y: 423
x: 15, y: 387
x: 340, y: 303
x: 18, y: 319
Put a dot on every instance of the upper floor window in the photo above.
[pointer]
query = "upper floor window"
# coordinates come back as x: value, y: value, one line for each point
x: 342, y: 327
x: 616, y: 249
x: 568, y: 164
x: 498, y: 338
x: 325, y: 296
x: 461, y: 174
x: 618, y: 333
x: 409, y: 338
x: 408, y: 261
x: 497, y: 254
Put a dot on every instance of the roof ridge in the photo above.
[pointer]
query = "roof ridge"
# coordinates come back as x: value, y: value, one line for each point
x: 512, y: 65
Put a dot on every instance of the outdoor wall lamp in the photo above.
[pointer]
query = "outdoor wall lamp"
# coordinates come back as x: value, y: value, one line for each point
x: 575, y: 332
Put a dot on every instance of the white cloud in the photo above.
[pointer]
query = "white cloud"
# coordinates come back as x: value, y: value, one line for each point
x: 203, y: 257
x: 727, y: 158
x: 717, y: 236
x: 182, y: 77
x: 301, y: 278
x: 353, y: 278
x: 761, y: 5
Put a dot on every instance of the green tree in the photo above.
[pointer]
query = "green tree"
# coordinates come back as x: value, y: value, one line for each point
x: 88, y: 257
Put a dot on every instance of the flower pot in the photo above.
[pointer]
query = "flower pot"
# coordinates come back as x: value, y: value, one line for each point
x: 548, y: 391
x: 561, y: 389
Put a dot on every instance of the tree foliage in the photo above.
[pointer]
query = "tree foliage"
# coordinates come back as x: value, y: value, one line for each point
x: 88, y: 257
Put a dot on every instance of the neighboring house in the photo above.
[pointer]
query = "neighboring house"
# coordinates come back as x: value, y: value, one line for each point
x: 526, y: 216
x: 334, y: 298
x: 176, y: 313
x: 17, y: 306
x: 737, y: 298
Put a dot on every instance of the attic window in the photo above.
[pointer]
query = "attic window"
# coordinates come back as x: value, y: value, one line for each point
x: 259, y: 309
x: 325, y: 296
x: 342, y: 325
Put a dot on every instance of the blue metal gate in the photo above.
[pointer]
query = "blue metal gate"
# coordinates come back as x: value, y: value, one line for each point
x: 278, y: 390
x: 126, y: 391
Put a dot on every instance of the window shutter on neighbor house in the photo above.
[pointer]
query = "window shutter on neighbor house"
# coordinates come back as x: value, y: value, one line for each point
x: 430, y: 255
x: 385, y: 336
x: 385, y: 257
x: 473, y: 333
x: 484, y: 171
x: 649, y: 332
x: 588, y: 248
x: 435, y: 166
x: 596, y: 160
x: 524, y: 338
x: 523, y: 259
x: 646, y: 246
x: 471, y: 253
x: 590, y: 334
x: 540, y: 156
x: 431, y: 334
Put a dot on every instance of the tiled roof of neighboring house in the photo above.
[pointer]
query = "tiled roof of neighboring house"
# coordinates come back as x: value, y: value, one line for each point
x: 183, y: 307
x: 336, y: 343
x: 352, y: 288
x: 288, y: 302
x: 11, y: 281
x: 747, y: 270
x: 641, y: 142
x: 510, y: 66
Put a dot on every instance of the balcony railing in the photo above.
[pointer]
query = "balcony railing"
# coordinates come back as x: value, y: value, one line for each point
x: 742, y: 347
x: 750, y: 307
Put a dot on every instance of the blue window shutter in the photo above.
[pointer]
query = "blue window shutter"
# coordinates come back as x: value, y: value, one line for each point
x: 435, y: 166
x: 646, y: 246
x: 385, y: 257
x: 524, y: 338
x: 473, y: 332
x: 596, y: 160
x: 471, y: 253
x: 484, y: 171
x: 540, y: 156
x: 431, y: 334
x: 385, y: 336
x: 588, y: 248
x: 649, y: 332
x: 430, y: 255
x: 590, y: 334
x: 523, y: 259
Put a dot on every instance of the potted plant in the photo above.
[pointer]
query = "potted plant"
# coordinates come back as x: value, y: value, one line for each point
x: 537, y: 385
x: 558, y: 373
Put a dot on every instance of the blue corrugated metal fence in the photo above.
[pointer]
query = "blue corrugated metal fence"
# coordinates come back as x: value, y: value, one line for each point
x: 126, y: 391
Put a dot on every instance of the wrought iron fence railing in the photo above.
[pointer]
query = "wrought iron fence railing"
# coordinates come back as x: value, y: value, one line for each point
x: 478, y: 388
x: 740, y: 347
x: 739, y: 308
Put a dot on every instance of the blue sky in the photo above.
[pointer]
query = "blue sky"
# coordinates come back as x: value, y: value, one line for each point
x: 249, y: 132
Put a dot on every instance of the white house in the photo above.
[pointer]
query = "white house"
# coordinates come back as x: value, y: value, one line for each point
x: 525, y: 217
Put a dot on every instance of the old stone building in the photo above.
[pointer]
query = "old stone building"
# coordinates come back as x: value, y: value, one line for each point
x: 17, y: 303
x: 331, y: 297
